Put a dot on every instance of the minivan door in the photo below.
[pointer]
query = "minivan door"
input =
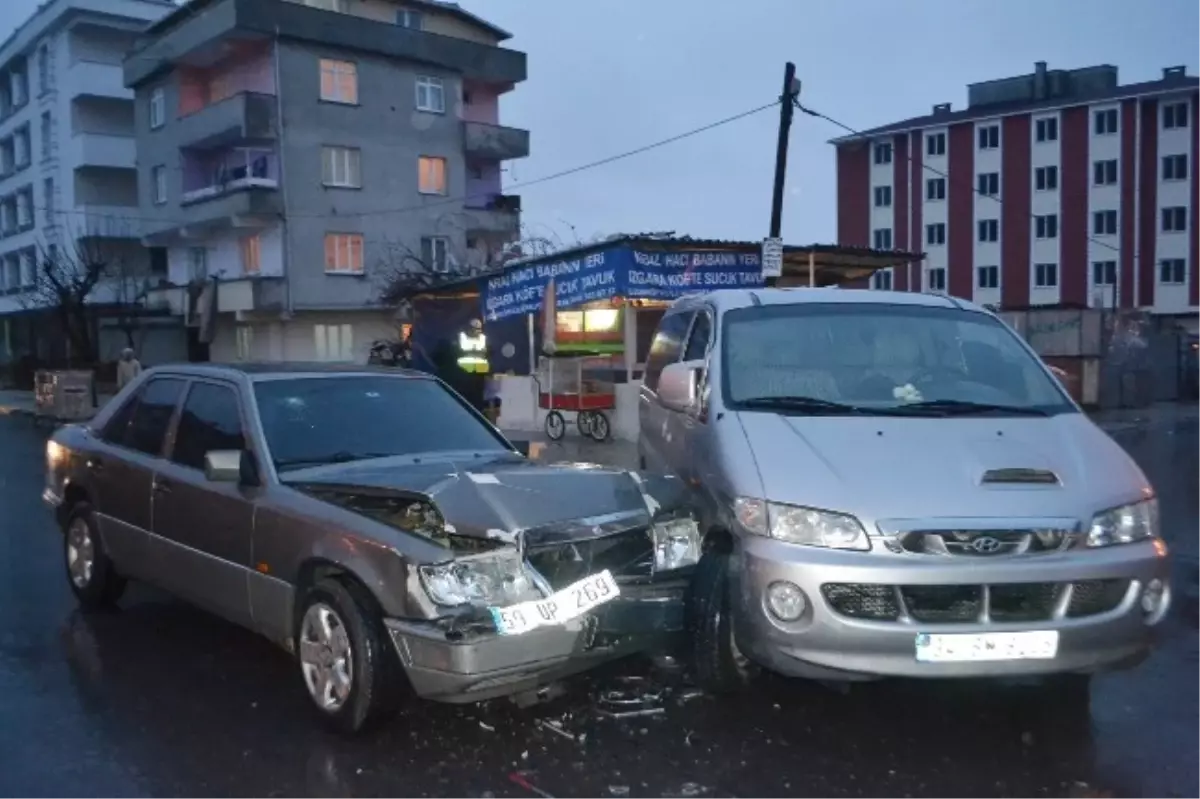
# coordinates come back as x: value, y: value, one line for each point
x: 688, y: 444
x: 654, y: 434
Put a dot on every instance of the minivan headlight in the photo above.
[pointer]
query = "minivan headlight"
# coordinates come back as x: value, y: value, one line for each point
x: 796, y: 524
x: 1126, y: 524
x: 493, y: 579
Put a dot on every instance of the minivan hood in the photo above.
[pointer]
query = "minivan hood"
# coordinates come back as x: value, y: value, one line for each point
x: 882, y: 467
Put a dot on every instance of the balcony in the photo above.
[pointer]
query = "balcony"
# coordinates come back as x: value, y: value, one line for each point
x: 99, y: 149
x: 242, y: 296
x: 107, y: 221
x: 93, y: 79
x: 243, y: 118
x: 494, y: 142
x: 499, y: 213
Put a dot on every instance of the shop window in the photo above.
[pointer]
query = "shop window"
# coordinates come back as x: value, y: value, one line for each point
x: 597, y: 328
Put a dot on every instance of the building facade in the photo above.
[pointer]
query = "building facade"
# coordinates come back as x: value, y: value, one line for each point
x: 1060, y: 187
x: 301, y: 153
x: 68, y: 181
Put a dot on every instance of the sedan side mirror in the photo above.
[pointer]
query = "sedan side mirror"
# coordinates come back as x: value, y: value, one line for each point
x: 230, y: 466
x: 677, y: 387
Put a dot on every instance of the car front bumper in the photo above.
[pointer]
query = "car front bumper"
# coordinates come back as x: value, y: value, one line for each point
x: 473, y: 666
x: 830, y: 643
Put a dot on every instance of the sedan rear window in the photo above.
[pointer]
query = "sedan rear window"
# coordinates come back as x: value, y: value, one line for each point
x: 314, y: 421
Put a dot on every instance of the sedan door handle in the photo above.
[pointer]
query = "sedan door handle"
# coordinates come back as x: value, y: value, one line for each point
x: 162, y: 487
x: 96, y: 465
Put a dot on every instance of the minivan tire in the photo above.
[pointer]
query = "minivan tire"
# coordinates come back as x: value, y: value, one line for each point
x: 103, y: 586
x: 374, y: 667
x: 720, y: 668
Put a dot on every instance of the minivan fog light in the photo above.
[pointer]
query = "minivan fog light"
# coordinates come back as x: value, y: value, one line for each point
x: 785, y: 600
x: 1154, y: 597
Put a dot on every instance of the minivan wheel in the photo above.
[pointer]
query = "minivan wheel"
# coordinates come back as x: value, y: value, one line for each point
x: 719, y: 664
x: 345, y: 661
x: 90, y: 572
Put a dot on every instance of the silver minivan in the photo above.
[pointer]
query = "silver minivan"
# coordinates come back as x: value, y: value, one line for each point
x: 894, y: 484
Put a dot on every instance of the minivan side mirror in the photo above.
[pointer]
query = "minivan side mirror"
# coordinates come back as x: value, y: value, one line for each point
x: 677, y: 387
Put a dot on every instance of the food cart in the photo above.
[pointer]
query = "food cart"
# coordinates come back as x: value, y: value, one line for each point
x: 62, y: 395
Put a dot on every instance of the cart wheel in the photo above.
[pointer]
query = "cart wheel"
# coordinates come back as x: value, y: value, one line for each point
x: 599, y: 426
x: 583, y: 420
x: 555, y: 425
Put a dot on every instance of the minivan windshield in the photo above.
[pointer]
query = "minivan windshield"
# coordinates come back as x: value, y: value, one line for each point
x: 311, y: 421
x: 877, y: 358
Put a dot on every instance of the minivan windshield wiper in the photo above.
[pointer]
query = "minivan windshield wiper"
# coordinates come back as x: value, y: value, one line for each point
x: 802, y: 404
x: 342, y: 456
x: 949, y: 407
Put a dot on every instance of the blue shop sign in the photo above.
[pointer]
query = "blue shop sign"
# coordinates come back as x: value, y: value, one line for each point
x: 618, y: 272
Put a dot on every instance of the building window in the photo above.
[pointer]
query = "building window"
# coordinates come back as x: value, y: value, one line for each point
x: 1045, y: 178
x: 407, y: 18
x: 1172, y: 270
x: 989, y: 184
x: 431, y: 175
x: 1104, y: 173
x: 935, y: 144
x: 20, y: 88
x: 48, y: 199
x: 29, y: 265
x: 1175, y: 115
x: 339, y: 81
x: 158, y: 179
x: 883, y: 238
x: 333, y: 342
x: 989, y: 230
x: 1174, y: 220
x: 935, y: 234
x: 341, y: 167
x: 883, y: 153
x: 882, y: 280
x: 1174, y: 167
x: 431, y: 95
x: 24, y: 209
x: 43, y: 69
x: 1045, y: 276
x: 936, y: 278
x: 1046, y: 129
x: 1046, y: 226
x: 989, y: 137
x: 21, y: 147
x: 245, y: 342
x: 1105, y: 123
x: 47, y: 134
x: 1104, y: 273
x: 1104, y: 223
x: 435, y: 253
x: 197, y: 264
x: 327, y: 5
x: 988, y: 277
x: 158, y: 108
x: 883, y: 196
x: 935, y: 189
x: 344, y: 253
x: 252, y: 255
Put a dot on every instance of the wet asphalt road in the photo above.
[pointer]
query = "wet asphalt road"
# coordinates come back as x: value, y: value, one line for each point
x: 158, y: 699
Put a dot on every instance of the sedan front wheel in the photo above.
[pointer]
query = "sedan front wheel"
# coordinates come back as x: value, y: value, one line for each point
x: 90, y: 572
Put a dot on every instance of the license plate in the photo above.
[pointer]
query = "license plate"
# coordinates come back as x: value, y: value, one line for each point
x: 571, y: 602
x: 973, y: 647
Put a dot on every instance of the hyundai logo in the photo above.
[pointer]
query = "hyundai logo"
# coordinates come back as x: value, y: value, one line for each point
x: 986, y: 545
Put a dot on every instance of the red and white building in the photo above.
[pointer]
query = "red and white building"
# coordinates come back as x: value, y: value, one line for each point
x: 1060, y: 187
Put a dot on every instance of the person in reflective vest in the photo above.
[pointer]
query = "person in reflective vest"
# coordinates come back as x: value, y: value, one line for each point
x: 472, y: 346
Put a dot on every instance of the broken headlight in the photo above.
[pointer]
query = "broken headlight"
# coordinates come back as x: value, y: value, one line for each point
x: 492, y: 579
x: 676, y: 543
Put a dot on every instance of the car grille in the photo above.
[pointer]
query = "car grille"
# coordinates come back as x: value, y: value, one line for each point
x: 985, y: 543
x: 626, y: 554
x: 964, y: 604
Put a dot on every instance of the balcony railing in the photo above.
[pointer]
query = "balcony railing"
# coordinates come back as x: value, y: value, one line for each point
x: 253, y: 170
x: 244, y: 117
x: 494, y: 141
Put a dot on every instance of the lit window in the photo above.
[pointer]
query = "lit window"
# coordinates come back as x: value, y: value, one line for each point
x: 344, y: 253
x: 431, y: 95
x: 339, y: 81
x: 431, y: 177
x: 252, y: 255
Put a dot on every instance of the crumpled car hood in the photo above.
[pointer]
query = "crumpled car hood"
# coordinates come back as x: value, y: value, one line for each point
x: 497, y: 498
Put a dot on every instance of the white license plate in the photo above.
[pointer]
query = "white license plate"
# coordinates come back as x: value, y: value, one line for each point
x: 571, y: 602
x: 973, y: 647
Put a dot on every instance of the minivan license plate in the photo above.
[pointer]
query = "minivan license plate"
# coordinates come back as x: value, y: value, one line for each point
x: 974, y: 647
x: 571, y: 602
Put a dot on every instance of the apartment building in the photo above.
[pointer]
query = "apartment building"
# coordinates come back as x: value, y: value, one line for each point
x: 67, y: 175
x: 294, y: 154
x: 1055, y: 187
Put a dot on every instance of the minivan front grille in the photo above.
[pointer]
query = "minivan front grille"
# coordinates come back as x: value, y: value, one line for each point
x: 985, y: 543
x: 968, y: 604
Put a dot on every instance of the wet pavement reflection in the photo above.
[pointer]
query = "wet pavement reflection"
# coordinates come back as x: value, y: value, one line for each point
x: 157, y: 699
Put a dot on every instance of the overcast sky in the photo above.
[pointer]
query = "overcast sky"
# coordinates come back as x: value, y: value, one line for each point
x: 609, y: 76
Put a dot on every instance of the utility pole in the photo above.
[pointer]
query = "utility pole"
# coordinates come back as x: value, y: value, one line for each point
x: 787, y: 99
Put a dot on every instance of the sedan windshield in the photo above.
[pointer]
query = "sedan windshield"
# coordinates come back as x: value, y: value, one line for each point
x: 315, y: 421
x: 876, y: 358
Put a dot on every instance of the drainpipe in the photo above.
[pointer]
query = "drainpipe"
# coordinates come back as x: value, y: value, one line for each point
x: 283, y: 188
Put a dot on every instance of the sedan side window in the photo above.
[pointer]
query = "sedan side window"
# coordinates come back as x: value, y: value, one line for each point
x: 210, y: 421
x: 666, y: 347
x: 118, y: 424
x: 148, y: 427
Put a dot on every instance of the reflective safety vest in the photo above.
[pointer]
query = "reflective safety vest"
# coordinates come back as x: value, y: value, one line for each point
x: 473, y: 349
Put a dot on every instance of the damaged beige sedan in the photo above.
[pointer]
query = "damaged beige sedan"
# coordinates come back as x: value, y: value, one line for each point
x: 373, y: 524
